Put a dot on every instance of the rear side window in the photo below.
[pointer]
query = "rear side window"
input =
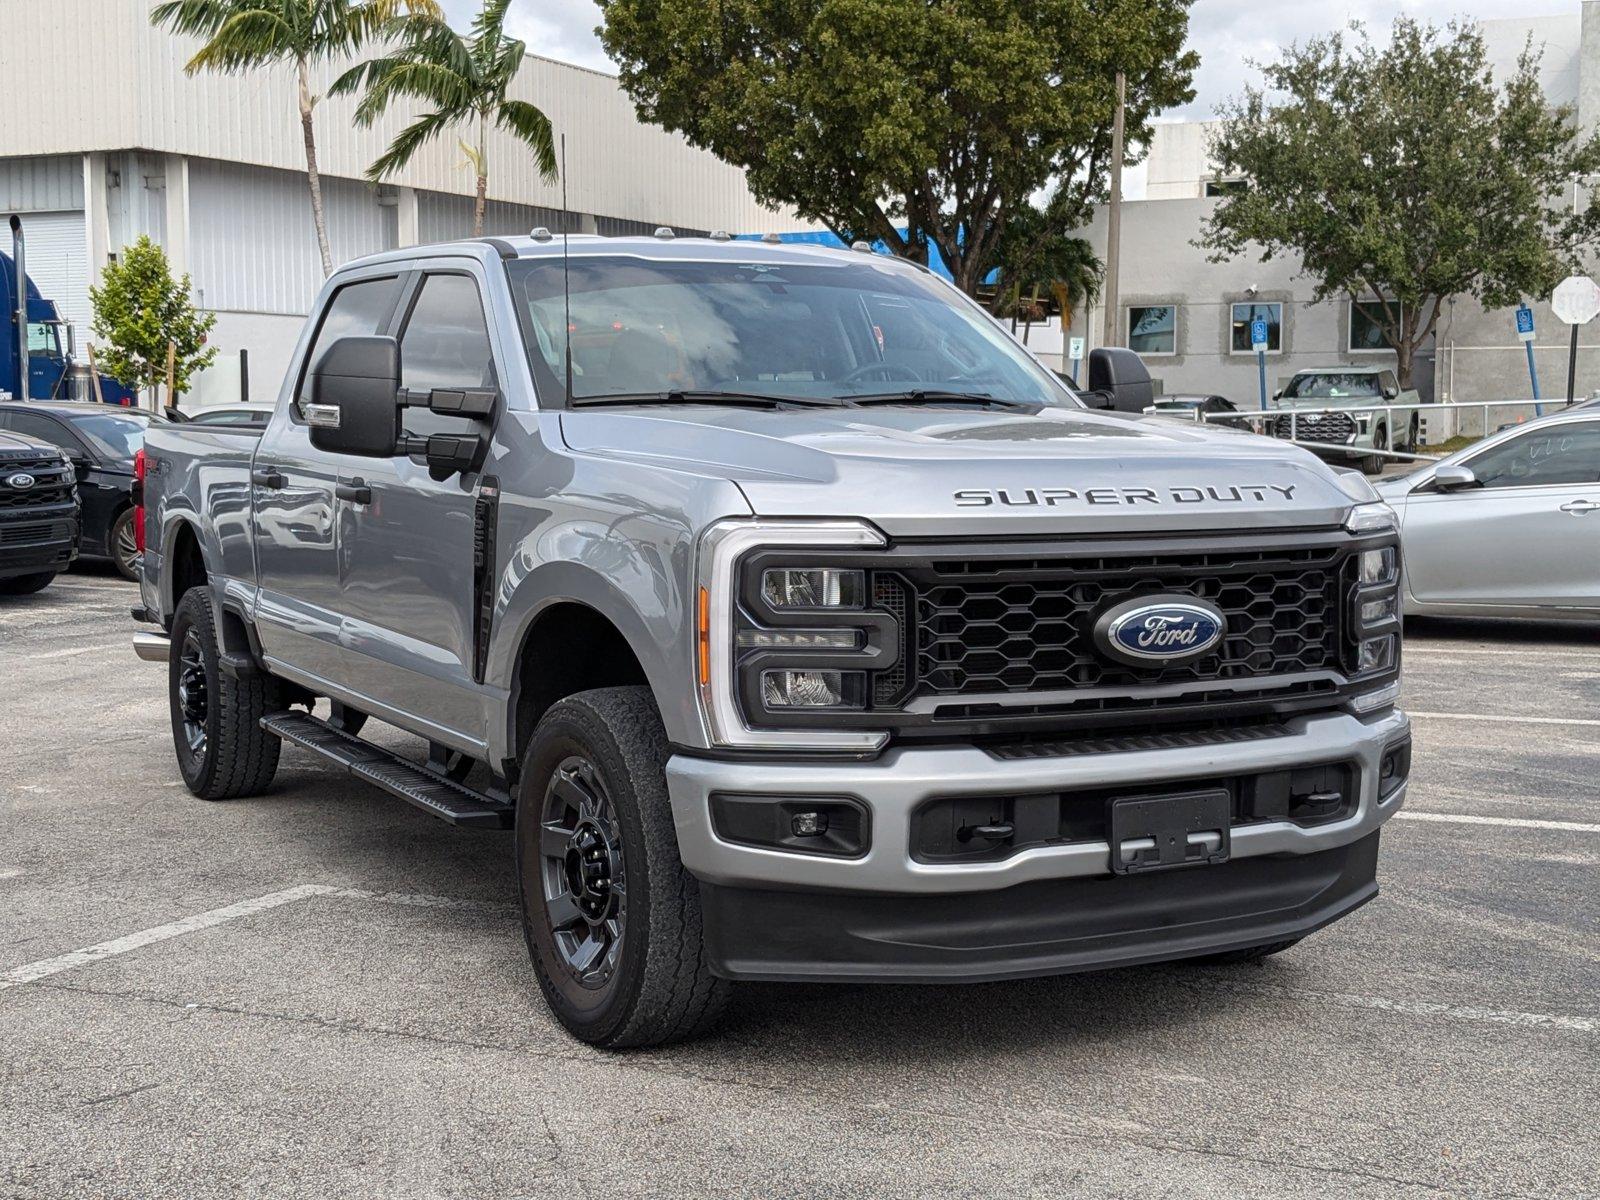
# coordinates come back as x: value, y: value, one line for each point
x: 445, y: 345
x: 46, y: 429
x: 358, y: 309
x: 1556, y: 454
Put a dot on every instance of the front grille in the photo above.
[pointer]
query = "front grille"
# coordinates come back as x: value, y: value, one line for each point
x: 53, y: 483
x: 1009, y: 626
x: 26, y: 533
x: 1315, y: 427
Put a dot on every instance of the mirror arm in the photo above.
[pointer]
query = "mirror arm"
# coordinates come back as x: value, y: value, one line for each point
x: 445, y: 453
x: 476, y: 403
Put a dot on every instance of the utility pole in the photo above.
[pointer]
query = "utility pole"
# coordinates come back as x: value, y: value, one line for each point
x: 1112, y: 336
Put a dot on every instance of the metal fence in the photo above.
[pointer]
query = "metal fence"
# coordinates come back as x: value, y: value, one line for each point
x: 1440, y: 423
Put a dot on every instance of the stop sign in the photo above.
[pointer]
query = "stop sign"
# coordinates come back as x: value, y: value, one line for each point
x: 1576, y: 300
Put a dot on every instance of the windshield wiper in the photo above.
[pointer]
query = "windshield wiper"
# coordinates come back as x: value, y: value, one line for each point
x: 709, y: 396
x: 938, y: 396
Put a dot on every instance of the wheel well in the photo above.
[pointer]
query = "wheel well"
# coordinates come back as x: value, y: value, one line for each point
x: 185, y: 566
x: 571, y: 648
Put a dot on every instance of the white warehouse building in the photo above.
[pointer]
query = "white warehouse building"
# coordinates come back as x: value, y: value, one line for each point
x: 213, y: 168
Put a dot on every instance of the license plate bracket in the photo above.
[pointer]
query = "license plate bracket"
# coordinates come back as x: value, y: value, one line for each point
x: 1164, y: 833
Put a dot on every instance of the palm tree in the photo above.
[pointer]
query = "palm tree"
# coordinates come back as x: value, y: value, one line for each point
x: 242, y: 35
x: 463, y: 79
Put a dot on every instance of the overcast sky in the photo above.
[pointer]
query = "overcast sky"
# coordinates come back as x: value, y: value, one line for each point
x: 1225, y: 32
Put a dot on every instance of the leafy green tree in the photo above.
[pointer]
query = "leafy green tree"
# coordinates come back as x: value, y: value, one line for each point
x: 1402, y: 176
x: 875, y: 115
x: 138, y: 310
x: 1035, y: 260
x: 244, y: 35
x: 464, y: 80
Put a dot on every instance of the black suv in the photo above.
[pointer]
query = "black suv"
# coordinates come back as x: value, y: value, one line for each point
x: 101, y: 440
x: 38, y: 514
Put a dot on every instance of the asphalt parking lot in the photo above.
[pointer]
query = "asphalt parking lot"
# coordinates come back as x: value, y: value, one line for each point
x: 323, y: 992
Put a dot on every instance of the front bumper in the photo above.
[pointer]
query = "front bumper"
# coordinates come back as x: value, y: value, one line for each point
x: 892, y: 915
x: 894, y: 785
x: 38, y: 540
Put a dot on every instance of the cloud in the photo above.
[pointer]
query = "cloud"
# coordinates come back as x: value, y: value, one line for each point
x: 562, y: 29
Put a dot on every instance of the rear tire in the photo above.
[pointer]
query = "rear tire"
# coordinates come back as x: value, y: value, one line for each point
x: 1248, y: 954
x: 26, y: 585
x: 222, y: 750
x: 611, y: 917
x: 123, y: 546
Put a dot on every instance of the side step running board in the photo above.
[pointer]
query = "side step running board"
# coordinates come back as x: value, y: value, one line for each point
x: 399, y: 777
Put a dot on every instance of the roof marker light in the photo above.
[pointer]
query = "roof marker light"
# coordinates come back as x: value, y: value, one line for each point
x: 540, y: 234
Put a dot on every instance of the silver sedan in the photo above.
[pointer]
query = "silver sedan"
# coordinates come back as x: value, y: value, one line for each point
x: 1508, y: 527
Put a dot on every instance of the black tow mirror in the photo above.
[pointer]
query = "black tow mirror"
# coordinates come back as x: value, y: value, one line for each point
x: 354, y: 406
x: 1120, y: 375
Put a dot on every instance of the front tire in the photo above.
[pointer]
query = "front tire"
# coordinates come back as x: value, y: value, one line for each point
x: 1372, y: 464
x: 216, y: 719
x: 611, y: 917
x: 124, y: 547
x: 26, y: 585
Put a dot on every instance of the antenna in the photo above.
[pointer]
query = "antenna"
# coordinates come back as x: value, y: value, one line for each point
x: 566, y: 277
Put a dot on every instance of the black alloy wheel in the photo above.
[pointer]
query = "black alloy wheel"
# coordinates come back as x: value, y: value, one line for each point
x: 583, y: 873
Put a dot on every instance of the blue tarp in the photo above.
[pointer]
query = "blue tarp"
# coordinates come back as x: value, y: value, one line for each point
x: 827, y: 238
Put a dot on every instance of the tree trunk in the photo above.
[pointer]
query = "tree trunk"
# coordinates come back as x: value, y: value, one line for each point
x: 483, y: 177
x: 313, y: 178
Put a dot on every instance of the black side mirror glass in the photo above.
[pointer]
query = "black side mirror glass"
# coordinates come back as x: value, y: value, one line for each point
x: 354, y: 407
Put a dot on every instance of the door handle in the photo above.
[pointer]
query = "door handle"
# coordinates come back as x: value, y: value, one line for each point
x: 1578, y: 507
x: 267, y: 478
x: 356, y: 491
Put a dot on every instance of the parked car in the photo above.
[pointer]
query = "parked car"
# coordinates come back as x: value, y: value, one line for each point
x: 1197, y: 408
x: 799, y: 622
x: 1348, y: 387
x: 38, y: 514
x: 100, y: 440
x: 1508, y: 527
x: 250, y: 415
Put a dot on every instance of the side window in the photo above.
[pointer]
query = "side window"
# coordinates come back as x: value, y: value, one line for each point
x: 47, y: 429
x: 445, y: 345
x: 1557, y: 454
x: 356, y: 310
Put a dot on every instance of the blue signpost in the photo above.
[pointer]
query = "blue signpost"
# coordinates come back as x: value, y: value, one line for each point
x: 1258, y: 343
x: 1525, y: 332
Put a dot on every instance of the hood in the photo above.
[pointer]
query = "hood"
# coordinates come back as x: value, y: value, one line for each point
x: 1328, y: 401
x: 21, y: 445
x: 942, y: 472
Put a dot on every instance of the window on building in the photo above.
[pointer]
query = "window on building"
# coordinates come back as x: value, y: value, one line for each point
x: 1366, y: 334
x: 1153, y: 328
x: 1553, y: 455
x: 1226, y: 187
x: 358, y: 309
x: 1245, y: 314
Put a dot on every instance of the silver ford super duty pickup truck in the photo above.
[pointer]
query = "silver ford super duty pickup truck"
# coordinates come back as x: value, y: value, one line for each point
x: 799, y: 623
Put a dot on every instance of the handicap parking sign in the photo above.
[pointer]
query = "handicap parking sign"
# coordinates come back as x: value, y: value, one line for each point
x: 1525, y: 323
x: 1258, y: 334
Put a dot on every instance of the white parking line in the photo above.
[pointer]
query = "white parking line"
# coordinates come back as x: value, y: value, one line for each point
x: 1413, y: 1008
x: 76, y: 650
x: 1500, y: 719
x: 1407, y: 814
x: 221, y: 916
x: 46, y: 967
x: 1557, y: 651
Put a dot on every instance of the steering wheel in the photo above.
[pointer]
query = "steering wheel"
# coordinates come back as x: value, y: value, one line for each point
x: 879, y: 370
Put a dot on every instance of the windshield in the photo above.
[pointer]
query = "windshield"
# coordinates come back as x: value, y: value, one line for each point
x: 824, y: 332
x: 114, y: 434
x: 1355, y: 385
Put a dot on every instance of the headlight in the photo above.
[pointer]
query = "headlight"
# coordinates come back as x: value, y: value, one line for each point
x: 784, y: 645
x: 1370, y: 518
x: 1379, y: 566
x: 813, y: 587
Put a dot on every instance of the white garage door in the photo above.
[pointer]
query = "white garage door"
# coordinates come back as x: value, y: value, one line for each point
x: 58, y: 264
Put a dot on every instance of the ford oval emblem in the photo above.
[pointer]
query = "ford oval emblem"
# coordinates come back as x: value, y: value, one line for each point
x: 1159, y: 630
x: 21, y: 481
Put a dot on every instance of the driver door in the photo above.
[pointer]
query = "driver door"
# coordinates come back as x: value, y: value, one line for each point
x: 1528, y: 536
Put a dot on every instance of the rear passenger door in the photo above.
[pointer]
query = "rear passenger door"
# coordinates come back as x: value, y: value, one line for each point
x: 405, y: 555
